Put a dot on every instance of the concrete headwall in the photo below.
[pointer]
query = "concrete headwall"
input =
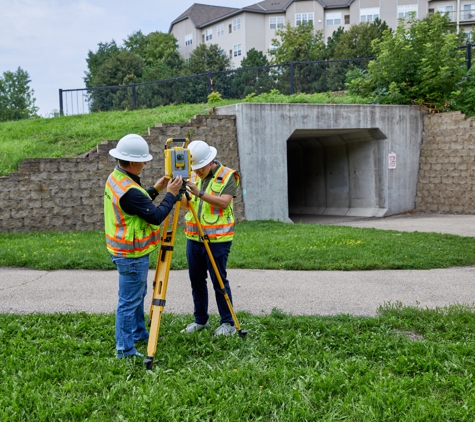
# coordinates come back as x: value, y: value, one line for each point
x: 64, y: 194
x: 447, y: 170
x: 327, y: 159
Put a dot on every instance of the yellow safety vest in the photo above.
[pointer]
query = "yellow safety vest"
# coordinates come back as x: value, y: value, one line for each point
x: 217, y: 223
x: 127, y: 236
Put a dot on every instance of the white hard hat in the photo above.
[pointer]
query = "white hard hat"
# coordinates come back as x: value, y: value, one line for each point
x: 201, y: 154
x: 131, y: 148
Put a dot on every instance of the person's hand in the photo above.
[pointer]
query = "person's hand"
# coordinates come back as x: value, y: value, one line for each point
x: 161, y: 184
x: 192, y: 188
x: 175, y: 185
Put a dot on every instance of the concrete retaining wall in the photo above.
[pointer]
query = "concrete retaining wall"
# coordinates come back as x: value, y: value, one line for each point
x: 339, y: 158
x: 64, y: 194
x: 447, y: 165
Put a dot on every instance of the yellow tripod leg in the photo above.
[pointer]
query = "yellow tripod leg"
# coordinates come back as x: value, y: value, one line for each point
x: 160, y: 285
x: 242, y: 333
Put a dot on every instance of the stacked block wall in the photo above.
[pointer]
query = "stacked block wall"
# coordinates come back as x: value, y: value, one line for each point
x: 66, y: 194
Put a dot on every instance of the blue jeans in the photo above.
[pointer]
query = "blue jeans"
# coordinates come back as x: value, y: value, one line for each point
x: 130, y: 319
x: 198, y: 266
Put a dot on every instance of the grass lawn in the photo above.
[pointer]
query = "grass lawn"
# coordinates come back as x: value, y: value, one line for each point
x: 407, y: 364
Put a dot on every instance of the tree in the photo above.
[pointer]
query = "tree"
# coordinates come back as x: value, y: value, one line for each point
x: 252, y: 81
x: 357, y: 41
x: 254, y: 58
x: 208, y: 58
x: 124, y: 68
x: 95, y: 60
x: 333, y: 41
x: 419, y: 62
x: 297, y: 44
x: 16, y: 97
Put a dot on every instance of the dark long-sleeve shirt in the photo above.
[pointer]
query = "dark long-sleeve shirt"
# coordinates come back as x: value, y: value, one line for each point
x: 134, y: 202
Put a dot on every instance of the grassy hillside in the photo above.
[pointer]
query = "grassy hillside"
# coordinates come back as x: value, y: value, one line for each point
x: 73, y: 135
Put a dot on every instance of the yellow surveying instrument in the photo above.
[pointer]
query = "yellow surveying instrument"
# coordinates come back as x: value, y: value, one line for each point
x: 177, y: 163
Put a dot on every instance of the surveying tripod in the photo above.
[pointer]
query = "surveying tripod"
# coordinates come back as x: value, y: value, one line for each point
x: 162, y: 271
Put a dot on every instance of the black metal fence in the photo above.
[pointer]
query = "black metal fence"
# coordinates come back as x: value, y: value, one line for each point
x: 296, y: 77
x: 290, y: 78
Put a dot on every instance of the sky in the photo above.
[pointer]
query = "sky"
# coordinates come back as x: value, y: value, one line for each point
x: 50, y: 39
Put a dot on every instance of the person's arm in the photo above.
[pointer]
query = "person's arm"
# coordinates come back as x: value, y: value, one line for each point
x: 222, y: 201
x: 135, y: 202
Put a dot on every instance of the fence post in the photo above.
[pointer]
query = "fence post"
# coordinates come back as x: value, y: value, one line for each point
x: 210, y: 82
x: 134, y: 97
x: 292, y: 71
x: 469, y: 56
x: 61, y: 102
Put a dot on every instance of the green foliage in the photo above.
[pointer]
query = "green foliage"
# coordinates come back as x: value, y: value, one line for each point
x: 357, y: 41
x: 463, y: 99
x: 288, y: 247
x: 158, y: 45
x: 96, y: 60
x: 296, y: 44
x: 254, y: 58
x: 418, y: 63
x: 274, y: 96
x: 214, y: 97
x: 208, y: 58
x: 405, y: 364
x: 16, y: 96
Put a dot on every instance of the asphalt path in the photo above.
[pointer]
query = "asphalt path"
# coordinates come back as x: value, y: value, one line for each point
x: 259, y: 291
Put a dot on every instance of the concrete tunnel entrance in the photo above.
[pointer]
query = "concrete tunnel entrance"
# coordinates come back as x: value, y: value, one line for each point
x: 336, y: 172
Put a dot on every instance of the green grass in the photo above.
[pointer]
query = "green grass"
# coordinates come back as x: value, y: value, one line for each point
x: 287, y: 247
x: 71, y: 136
x: 74, y: 135
x: 407, y: 364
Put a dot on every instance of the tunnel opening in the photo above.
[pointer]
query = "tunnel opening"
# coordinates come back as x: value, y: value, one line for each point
x: 336, y: 172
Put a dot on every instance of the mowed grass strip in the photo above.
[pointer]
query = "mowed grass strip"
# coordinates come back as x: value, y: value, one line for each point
x: 407, y: 364
x: 259, y: 245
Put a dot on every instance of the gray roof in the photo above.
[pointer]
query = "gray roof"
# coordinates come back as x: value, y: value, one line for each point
x: 202, y: 14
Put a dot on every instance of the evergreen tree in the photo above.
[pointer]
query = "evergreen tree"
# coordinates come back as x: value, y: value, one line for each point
x: 16, y: 96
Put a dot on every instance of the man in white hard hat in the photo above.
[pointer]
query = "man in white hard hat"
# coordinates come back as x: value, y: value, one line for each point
x: 132, y: 229
x: 213, y: 187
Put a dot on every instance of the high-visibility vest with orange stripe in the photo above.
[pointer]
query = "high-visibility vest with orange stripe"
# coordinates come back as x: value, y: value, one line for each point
x: 127, y: 236
x: 217, y: 223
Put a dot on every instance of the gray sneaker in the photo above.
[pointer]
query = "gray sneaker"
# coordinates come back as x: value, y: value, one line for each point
x: 225, y: 329
x: 191, y: 328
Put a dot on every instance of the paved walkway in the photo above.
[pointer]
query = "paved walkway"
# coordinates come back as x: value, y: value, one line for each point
x: 259, y: 291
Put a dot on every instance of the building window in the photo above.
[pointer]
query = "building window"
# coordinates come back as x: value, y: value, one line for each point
x: 449, y: 10
x: 220, y: 30
x: 303, y: 18
x: 333, y: 18
x: 347, y: 19
x: 468, y: 11
x: 237, y: 50
x: 369, y: 14
x: 236, y: 24
x: 405, y: 11
x: 209, y: 34
x: 188, y: 39
x: 276, y: 22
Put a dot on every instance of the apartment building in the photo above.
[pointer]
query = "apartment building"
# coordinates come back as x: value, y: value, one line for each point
x: 237, y: 31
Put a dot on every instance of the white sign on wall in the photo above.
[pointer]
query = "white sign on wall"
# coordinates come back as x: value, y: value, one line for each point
x: 392, y: 160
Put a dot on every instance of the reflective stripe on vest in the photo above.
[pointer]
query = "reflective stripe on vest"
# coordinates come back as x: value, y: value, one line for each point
x: 127, y: 236
x: 217, y: 223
